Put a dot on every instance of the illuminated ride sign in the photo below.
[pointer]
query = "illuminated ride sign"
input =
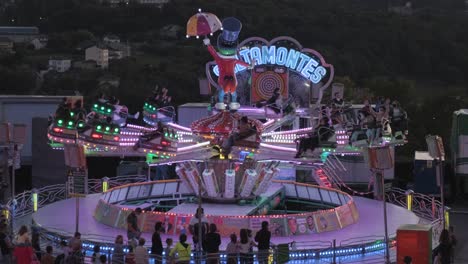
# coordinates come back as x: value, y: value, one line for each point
x: 281, y: 51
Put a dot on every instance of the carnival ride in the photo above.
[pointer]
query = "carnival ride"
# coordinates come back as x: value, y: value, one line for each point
x: 238, y: 183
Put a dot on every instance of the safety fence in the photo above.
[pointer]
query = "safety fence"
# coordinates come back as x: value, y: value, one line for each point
x: 427, y: 208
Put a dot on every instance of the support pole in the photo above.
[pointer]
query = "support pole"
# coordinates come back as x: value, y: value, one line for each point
x: 440, y: 174
x: 387, y: 248
x: 77, y: 219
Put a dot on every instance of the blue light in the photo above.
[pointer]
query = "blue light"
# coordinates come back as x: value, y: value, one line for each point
x: 268, y: 54
x: 256, y: 55
x: 309, y: 68
x: 281, y: 56
x: 303, y: 60
x: 293, y: 57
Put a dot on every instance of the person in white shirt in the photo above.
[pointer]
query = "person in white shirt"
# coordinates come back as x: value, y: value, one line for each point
x: 141, y: 253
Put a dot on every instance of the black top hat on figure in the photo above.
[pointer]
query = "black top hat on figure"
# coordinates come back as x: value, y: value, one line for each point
x: 229, y: 38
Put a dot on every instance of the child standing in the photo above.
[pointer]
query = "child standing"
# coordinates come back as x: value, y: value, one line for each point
x: 169, y: 242
x: 232, y: 250
x: 96, y: 254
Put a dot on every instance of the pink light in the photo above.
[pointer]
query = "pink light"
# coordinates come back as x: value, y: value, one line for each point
x: 268, y: 146
x: 179, y: 127
x: 202, y: 144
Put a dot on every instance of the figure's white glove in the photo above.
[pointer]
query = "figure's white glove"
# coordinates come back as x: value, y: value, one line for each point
x: 206, y: 41
x: 252, y: 65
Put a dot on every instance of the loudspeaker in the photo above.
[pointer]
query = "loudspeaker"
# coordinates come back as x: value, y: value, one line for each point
x: 380, y: 158
x: 337, y: 88
x: 435, y: 147
x: 74, y: 156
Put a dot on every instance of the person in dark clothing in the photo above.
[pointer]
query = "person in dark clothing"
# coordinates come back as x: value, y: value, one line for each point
x: 36, y: 244
x: 444, y: 249
x: 157, y: 246
x: 133, y: 232
x: 211, y: 245
x: 263, y: 239
x: 244, y: 130
x: 271, y: 102
x: 321, y: 133
x: 5, y: 242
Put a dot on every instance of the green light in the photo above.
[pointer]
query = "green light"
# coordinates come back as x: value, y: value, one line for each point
x: 72, y: 114
x: 99, y: 127
x: 70, y: 123
x: 107, y: 128
x: 165, y: 134
x: 108, y: 110
x: 80, y: 125
x: 116, y: 130
x: 102, y: 107
x: 60, y: 121
x: 170, y: 135
x: 95, y: 106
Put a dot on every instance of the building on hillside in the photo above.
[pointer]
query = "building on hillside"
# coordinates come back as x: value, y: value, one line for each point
x: 6, y: 45
x: 171, y: 31
x: 114, y: 54
x: 59, y: 64
x: 109, y: 79
x: 404, y: 8
x: 85, y: 44
x: 40, y: 42
x: 98, y: 54
x: 19, y: 34
x: 111, y: 39
x: 118, y: 50
x: 114, y: 3
x: 85, y: 65
x: 153, y: 2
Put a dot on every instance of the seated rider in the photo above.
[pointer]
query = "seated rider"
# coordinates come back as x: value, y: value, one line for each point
x: 399, y: 120
x: 80, y: 112
x: 245, y: 129
x: 273, y: 101
x: 321, y: 133
x: 63, y: 109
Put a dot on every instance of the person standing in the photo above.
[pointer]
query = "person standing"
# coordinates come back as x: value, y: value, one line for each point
x: 263, y: 239
x: 133, y: 232
x: 245, y: 246
x: 232, y: 250
x: 141, y: 253
x: 182, y: 249
x: 75, y: 240
x: 195, y: 229
x: 5, y: 242
x: 48, y: 258
x: 443, y: 251
x: 156, y: 246
x: 168, y: 249
x: 118, y: 254
x: 211, y: 245
x: 24, y: 252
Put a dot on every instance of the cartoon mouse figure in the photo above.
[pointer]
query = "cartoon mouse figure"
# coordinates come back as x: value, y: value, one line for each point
x: 226, y: 60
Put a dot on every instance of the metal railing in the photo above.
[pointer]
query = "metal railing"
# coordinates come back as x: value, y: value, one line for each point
x: 23, y: 205
x: 424, y: 206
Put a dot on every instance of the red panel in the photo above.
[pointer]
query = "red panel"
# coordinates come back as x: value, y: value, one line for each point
x: 416, y: 244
